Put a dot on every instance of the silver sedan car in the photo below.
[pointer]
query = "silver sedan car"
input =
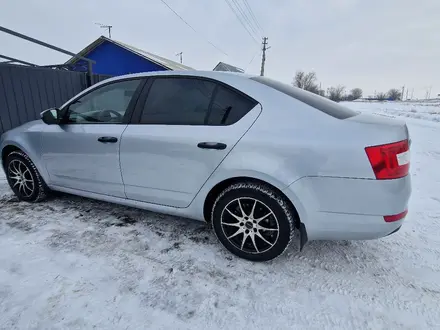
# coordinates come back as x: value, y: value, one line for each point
x: 255, y: 158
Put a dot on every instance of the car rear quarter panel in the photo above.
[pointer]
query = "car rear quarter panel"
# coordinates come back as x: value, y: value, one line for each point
x: 291, y: 141
x: 304, y: 141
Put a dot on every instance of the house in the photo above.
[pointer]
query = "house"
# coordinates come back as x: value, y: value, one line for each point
x: 115, y: 58
x: 221, y: 66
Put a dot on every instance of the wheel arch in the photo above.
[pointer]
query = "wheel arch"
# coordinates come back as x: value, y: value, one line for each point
x: 6, y: 150
x: 220, y: 186
x: 10, y: 146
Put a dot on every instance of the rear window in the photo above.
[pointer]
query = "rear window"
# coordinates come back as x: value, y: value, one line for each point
x: 316, y: 101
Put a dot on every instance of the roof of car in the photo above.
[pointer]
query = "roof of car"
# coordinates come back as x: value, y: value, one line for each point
x: 194, y: 73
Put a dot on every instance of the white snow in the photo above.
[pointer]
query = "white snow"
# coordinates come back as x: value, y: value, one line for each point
x: 73, y: 263
x: 419, y: 110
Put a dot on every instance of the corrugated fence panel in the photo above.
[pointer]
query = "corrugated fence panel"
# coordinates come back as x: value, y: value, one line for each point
x: 35, y: 91
x: 39, y: 78
x: 63, y: 86
x: 50, y: 91
x: 16, y: 78
x: 26, y: 91
x: 5, y: 119
x: 10, y: 98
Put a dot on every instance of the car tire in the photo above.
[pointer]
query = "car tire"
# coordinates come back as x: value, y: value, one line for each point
x: 24, y: 178
x: 253, y: 221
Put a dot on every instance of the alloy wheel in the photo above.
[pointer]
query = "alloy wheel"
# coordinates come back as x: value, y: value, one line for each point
x: 250, y: 225
x: 21, y: 177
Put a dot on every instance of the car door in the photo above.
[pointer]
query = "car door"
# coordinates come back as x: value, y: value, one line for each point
x: 179, y: 135
x: 83, y: 151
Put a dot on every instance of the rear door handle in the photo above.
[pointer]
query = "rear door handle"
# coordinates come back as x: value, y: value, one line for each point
x: 212, y: 145
x: 107, y: 139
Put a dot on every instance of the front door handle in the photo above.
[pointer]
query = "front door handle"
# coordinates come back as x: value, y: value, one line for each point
x: 212, y: 145
x: 107, y: 139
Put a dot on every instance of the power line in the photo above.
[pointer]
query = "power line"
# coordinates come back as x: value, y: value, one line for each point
x: 241, y: 21
x: 253, y: 15
x: 253, y: 57
x: 183, y: 20
x: 244, y: 16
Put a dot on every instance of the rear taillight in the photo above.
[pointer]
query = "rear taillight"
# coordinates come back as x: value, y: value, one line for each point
x: 389, y: 161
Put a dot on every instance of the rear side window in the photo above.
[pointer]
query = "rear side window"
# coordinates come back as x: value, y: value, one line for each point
x: 228, y: 107
x: 191, y: 101
x: 318, y: 102
x: 178, y: 101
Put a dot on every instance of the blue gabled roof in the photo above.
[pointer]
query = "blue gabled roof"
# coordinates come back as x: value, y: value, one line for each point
x: 161, y: 61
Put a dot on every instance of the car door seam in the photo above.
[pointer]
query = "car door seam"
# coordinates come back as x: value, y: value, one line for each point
x: 232, y: 148
x: 119, y: 159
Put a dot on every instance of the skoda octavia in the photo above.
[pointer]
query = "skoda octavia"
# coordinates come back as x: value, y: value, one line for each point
x: 255, y: 158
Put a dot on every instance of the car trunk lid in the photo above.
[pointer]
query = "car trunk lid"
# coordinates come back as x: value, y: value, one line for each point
x: 384, y: 128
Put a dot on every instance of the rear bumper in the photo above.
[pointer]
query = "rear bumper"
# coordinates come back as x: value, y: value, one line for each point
x: 349, y: 209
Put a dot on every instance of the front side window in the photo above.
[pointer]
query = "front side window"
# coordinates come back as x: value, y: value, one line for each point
x: 107, y: 104
x: 177, y: 101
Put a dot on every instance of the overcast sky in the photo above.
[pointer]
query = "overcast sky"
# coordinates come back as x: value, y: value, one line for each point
x: 374, y: 44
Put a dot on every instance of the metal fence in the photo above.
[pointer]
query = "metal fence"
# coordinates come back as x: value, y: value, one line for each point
x: 26, y: 91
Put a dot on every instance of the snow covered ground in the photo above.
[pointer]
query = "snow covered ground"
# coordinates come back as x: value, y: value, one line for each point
x: 412, y: 109
x: 73, y: 263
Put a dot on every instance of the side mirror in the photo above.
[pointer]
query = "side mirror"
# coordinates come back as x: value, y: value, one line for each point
x: 50, y: 116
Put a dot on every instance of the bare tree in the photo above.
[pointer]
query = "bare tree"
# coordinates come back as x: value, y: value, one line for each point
x: 356, y: 93
x: 306, y: 81
x: 336, y: 93
x: 394, y: 94
x: 381, y: 96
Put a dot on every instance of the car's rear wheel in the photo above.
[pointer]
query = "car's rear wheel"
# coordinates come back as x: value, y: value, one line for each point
x: 24, y: 178
x: 253, y: 221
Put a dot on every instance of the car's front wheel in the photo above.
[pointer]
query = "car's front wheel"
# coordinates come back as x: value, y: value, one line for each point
x: 253, y: 221
x: 24, y: 178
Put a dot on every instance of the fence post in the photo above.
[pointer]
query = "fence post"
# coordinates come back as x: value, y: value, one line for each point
x: 90, y: 74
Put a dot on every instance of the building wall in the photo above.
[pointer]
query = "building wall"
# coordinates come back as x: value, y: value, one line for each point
x: 114, y: 60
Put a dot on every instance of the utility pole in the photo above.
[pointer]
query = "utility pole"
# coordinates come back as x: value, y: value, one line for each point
x: 108, y: 27
x: 263, y: 58
x: 181, y: 57
x: 403, y: 92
